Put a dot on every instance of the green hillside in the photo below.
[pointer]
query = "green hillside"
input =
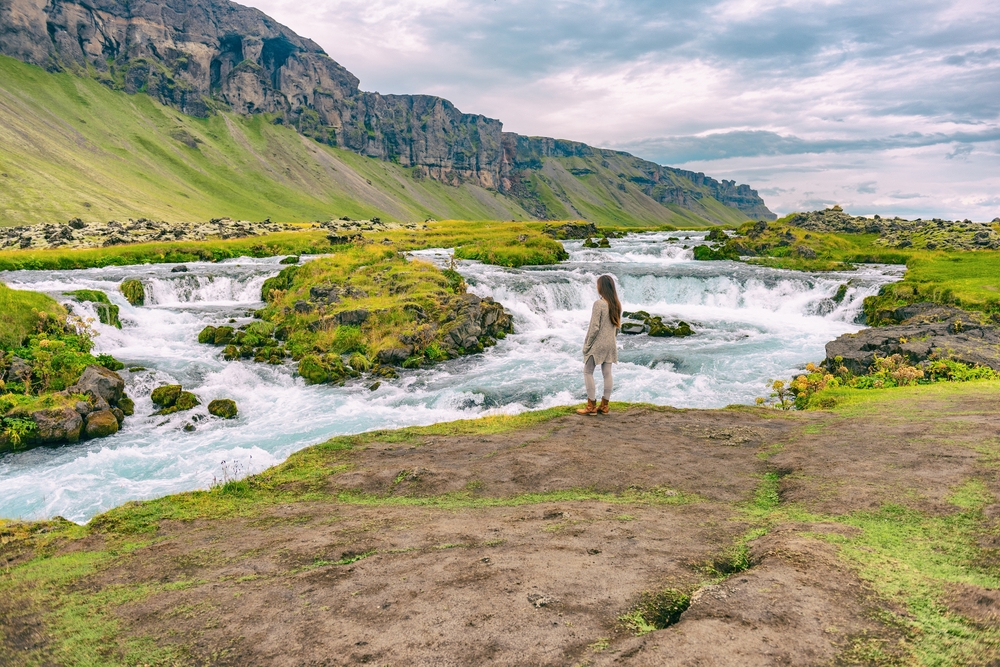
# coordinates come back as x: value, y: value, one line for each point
x: 611, y: 189
x: 71, y: 147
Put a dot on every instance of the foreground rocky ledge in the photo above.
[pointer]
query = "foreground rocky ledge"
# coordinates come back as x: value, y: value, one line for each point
x: 569, y: 540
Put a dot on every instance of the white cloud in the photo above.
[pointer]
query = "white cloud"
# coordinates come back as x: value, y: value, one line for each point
x: 887, y: 86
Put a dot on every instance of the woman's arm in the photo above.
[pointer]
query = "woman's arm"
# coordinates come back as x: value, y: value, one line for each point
x: 596, y: 320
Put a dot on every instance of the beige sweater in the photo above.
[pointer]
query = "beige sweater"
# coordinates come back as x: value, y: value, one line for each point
x: 600, y: 342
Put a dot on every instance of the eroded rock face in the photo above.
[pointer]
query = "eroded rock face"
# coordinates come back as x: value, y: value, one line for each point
x: 477, y: 319
x: 926, y: 331
x: 195, y: 55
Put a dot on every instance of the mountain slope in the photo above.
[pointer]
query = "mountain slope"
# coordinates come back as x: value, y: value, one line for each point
x: 70, y: 147
x: 214, y: 58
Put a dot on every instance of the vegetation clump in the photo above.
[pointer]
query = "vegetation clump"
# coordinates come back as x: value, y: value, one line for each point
x: 365, y: 309
x: 107, y: 312
x: 808, y: 390
x: 49, y: 388
x: 134, y: 292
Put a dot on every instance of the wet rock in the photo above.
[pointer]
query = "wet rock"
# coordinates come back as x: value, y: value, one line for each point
x: 100, y: 382
x: 632, y: 328
x: 571, y: 230
x: 127, y: 406
x: 166, y: 395
x: 100, y: 424
x: 231, y: 353
x: 186, y: 400
x: 189, y: 427
x: 56, y: 425
x: 179, y: 269
x: 119, y: 415
x: 223, y: 407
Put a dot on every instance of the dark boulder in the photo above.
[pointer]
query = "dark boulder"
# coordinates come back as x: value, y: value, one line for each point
x: 100, y: 382
x: 56, y: 425
x: 179, y: 269
x: 394, y: 355
x: 19, y: 371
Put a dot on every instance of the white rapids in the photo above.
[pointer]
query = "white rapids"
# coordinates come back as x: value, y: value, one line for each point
x: 752, y: 324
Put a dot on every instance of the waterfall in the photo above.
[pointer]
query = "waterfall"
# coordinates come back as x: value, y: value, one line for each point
x: 752, y: 324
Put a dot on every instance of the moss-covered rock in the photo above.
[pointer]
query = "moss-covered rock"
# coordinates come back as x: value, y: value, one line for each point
x: 127, y: 406
x: 186, y: 400
x: 166, y: 395
x: 101, y: 423
x: 231, y: 353
x: 282, y: 281
x: 133, y: 292
x: 223, y: 407
x: 223, y: 335
x: 207, y: 336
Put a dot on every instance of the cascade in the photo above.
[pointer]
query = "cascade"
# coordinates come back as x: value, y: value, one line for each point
x: 752, y: 324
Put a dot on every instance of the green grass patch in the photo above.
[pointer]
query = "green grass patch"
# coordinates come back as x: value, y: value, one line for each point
x: 270, y: 245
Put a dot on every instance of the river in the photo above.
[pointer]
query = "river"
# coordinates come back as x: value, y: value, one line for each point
x: 752, y: 324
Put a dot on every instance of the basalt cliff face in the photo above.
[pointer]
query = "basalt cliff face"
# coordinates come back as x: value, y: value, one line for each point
x: 211, y: 55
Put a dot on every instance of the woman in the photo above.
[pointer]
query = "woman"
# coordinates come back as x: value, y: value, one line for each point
x: 600, y: 346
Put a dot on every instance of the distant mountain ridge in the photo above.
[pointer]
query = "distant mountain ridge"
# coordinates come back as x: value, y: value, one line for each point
x: 212, y: 55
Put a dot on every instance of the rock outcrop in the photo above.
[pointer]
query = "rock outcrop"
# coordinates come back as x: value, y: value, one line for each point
x: 935, y: 234
x: 206, y: 55
x: 926, y: 331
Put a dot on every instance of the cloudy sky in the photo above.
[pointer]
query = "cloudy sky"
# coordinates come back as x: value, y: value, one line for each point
x: 882, y: 106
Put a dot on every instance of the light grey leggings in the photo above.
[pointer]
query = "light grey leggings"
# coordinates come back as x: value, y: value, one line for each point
x: 588, y: 379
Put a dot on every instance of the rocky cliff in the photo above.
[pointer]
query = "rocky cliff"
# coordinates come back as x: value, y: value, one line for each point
x: 215, y: 54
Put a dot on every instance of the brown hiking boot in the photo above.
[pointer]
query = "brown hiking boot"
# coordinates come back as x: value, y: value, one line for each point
x: 604, y: 409
x: 591, y: 408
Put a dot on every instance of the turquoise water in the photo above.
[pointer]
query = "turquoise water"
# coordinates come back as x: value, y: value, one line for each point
x: 752, y: 324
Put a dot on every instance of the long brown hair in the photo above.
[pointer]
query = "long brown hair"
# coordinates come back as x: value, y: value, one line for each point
x: 606, y: 288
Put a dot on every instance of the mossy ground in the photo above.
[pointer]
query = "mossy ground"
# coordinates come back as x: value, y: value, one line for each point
x: 909, y: 537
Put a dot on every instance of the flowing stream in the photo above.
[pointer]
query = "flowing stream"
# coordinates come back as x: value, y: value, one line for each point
x: 752, y: 324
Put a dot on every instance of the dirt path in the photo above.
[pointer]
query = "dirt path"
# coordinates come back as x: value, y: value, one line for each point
x: 537, y: 546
